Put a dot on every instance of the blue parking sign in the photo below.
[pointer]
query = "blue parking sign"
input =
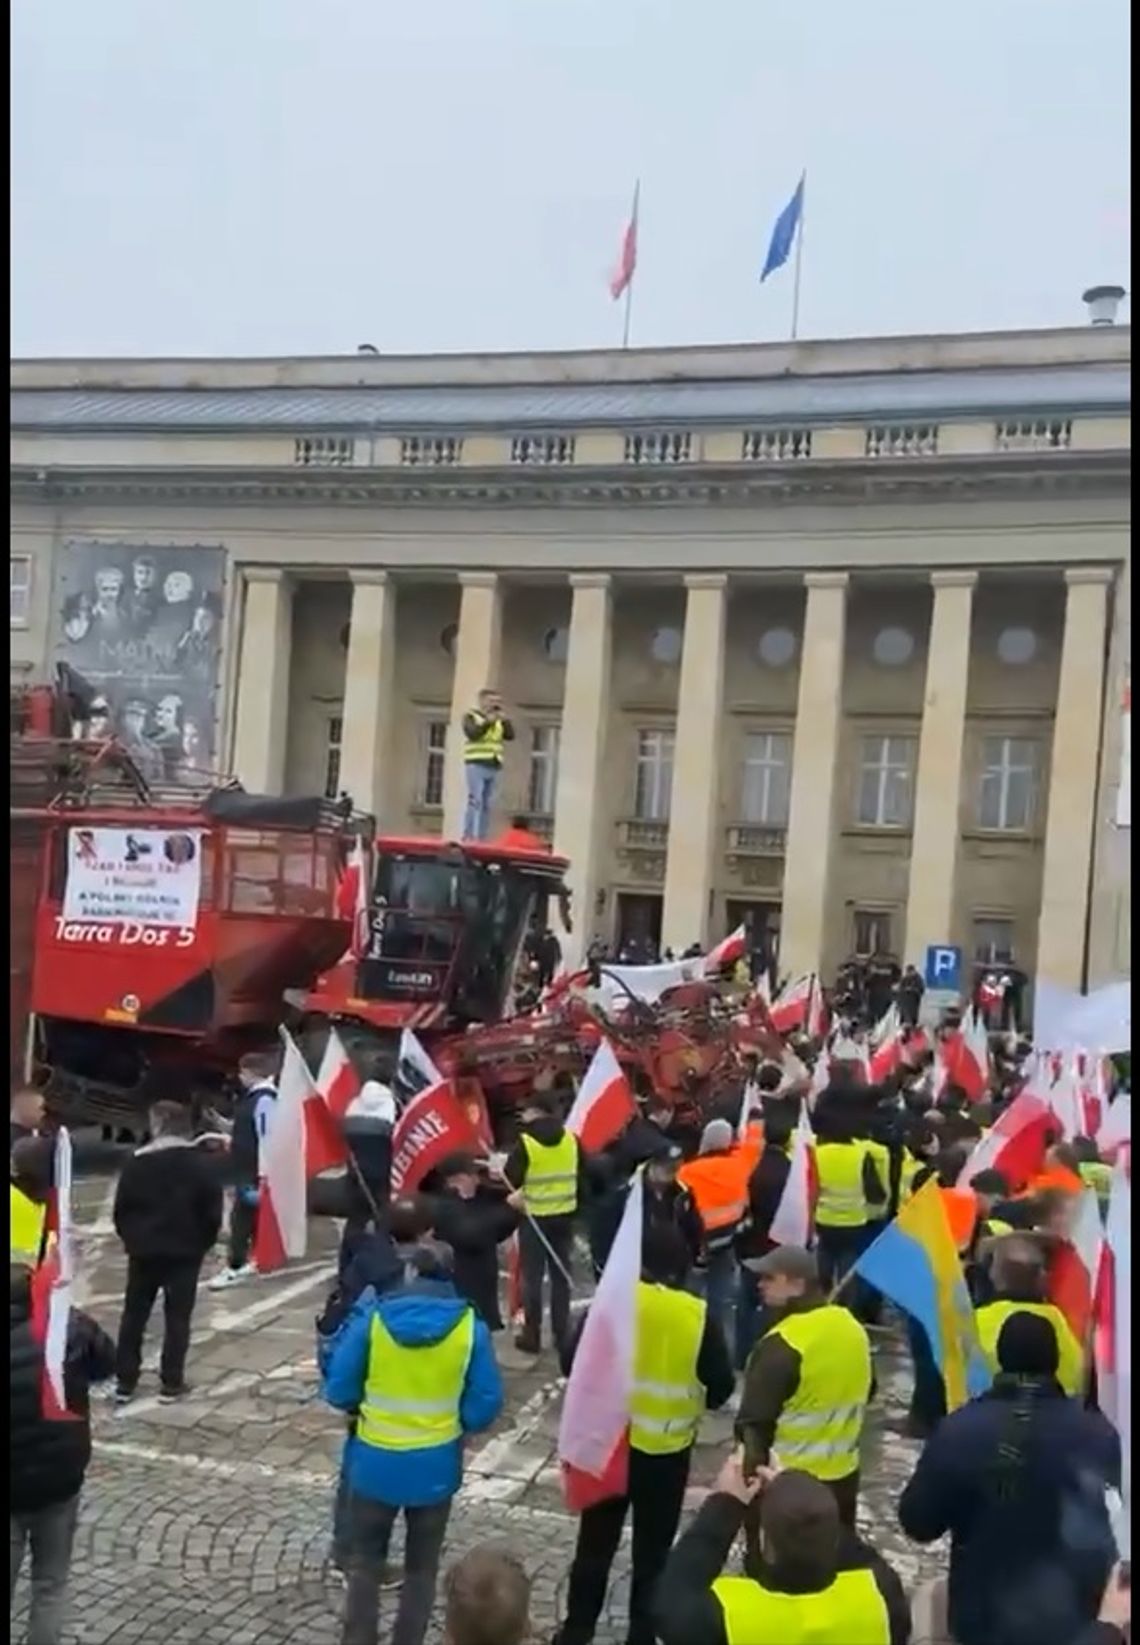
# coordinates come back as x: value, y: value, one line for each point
x: 944, y: 967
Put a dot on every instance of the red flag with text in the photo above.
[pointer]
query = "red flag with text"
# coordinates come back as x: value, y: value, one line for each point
x: 433, y: 1125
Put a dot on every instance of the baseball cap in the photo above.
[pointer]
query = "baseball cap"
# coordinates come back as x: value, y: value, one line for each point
x: 786, y: 1262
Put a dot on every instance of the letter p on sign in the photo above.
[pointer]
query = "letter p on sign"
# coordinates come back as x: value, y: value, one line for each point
x: 944, y: 967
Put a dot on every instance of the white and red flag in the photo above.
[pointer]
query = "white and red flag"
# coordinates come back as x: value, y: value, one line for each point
x: 593, y: 1438
x: 1076, y: 1264
x: 626, y: 265
x: 965, y: 1057
x: 794, y: 1219
x: 789, y: 1010
x: 727, y: 952
x: 337, y: 1080
x: 433, y: 1125
x: 282, y: 1229
x: 52, y: 1283
x: 604, y: 1104
x: 1016, y: 1144
x: 1065, y: 1101
x: 888, y: 1026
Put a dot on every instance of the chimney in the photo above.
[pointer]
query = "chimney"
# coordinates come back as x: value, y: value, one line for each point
x: 1102, y: 303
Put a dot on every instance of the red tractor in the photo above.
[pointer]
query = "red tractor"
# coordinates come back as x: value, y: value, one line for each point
x: 153, y: 935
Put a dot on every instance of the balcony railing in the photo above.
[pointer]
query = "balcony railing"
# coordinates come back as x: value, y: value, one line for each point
x: 755, y: 840
x: 636, y: 835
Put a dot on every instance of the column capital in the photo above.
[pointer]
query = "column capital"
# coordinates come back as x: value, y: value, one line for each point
x: 953, y: 579
x: 826, y: 579
x: 478, y: 579
x: 590, y: 579
x: 368, y: 576
x: 266, y: 574
x: 1077, y: 576
x: 706, y: 579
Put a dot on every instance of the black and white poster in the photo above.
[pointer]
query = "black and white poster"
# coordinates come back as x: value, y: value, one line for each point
x: 144, y: 625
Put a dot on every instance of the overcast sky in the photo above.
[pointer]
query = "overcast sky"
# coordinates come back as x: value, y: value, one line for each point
x: 300, y: 176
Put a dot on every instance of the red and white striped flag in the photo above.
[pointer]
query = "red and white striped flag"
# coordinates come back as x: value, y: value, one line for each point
x: 626, y: 265
x: 361, y: 923
x: 789, y: 1010
x: 794, y: 1218
x: 282, y: 1229
x: 52, y: 1283
x: 604, y: 1104
x: 726, y: 952
x: 337, y: 1080
x: 1016, y: 1144
x: 1076, y: 1264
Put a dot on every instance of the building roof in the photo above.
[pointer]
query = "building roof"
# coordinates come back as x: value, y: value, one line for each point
x: 1018, y: 373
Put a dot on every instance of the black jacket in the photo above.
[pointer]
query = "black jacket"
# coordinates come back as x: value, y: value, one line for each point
x: 244, y: 1142
x: 474, y: 1229
x: 1017, y: 1477
x: 168, y: 1205
x: 765, y: 1190
x: 674, y: 1209
x: 714, y: 1367
x: 688, y: 1613
x: 48, y: 1460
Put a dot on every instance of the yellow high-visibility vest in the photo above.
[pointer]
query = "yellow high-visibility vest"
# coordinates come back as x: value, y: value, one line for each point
x: 819, y: 1428
x: 411, y: 1395
x: 488, y: 748
x: 991, y: 1317
x: 668, y: 1398
x: 551, y: 1185
x: 842, y: 1203
x: 851, y: 1611
x: 880, y: 1156
x: 26, y: 1235
x: 1097, y: 1176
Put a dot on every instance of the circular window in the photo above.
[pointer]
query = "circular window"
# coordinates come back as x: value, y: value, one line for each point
x: 776, y: 647
x: 1016, y: 646
x: 447, y: 637
x: 555, y: 644
x: 666, y: 645
x: 893, y: 647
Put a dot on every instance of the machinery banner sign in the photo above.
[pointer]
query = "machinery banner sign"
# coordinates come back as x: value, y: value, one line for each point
x: 140, y: 881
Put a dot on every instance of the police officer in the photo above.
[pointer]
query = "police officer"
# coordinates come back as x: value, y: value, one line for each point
x: 681, y: 1368
x: 808, y: 1379
x: 546, y: 1168
x: 31, y: 1171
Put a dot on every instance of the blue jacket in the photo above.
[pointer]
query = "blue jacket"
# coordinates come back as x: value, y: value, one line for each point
x: 1017, y: 1477
x: 421, y: 1313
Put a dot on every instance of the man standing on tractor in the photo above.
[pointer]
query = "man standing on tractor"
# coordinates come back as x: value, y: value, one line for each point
x: 485, y: 730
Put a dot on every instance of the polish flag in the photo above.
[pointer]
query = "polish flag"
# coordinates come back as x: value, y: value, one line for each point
x: 593, y: 1437
x: 820, y: 1077
x: 337, y: 1080
x: 1112, y: 1339
x: 845, y: 1049
x: 604, y: 1105
x: 762, y: 988
x: 726, y: 953
x: 52, y: 1285
x: 888, y: 1026
x: 966, y: 1058
x: 789, y: 1009
x: 626, y: 265
x: 816, y: 1010
x: 1016, y: 1144
x: 1076, y: 1263
x: 794, y: 1217
x: 886, y: 1057
x: 1065, y: 1101
x: 282, y: 1209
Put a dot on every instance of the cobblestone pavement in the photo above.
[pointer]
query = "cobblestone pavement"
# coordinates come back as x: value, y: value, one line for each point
x: 207, y: 1523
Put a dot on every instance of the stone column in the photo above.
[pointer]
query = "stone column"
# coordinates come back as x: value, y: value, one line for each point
x: 262, y: 717
x: 580, y: 810
x: 694, y: 809
x: 1066, y: 881
x: 807, y: 859
x: 938, y: 789
x: 476, y: 667
x: 365, y: 741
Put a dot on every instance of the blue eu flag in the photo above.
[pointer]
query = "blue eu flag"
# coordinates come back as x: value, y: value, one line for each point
x: 784, y: 233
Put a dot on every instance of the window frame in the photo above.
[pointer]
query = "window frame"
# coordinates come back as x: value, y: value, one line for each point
x: 885, y: 769
x: 766, y: 767
x: 663, y: 767
x: 1005, y: 770
x: 24, y: 560
x: 883, y: 915
x: 543, y: 763
x: 979, y: 920
x: 429, y: 752
x: 334, y: 755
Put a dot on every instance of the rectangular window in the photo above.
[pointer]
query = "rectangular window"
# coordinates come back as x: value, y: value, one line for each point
x: 766, y: 779
x: 543, y: 770
x: 993, y: 942
x: 654, y: 777
x: 872, y: 933
x: 884, y: 782
x: 20, y: 588
x: 434, y: 755
x: 1009, y: 783
x: 334, y: 727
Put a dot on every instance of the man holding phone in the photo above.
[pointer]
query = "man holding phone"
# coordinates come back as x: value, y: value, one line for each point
x: 485, y: 730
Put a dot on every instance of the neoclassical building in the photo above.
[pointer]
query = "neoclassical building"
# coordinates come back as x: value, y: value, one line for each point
x: 831, y: 636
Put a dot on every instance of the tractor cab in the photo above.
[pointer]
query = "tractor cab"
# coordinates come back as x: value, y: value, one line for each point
x: 439, y: 938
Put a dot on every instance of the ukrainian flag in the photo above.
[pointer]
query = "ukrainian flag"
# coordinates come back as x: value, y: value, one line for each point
x: 915, y: 1263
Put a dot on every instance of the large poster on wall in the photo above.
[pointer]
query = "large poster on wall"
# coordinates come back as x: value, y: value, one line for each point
x: 143, y: 624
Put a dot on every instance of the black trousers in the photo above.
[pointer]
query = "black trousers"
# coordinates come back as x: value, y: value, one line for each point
x: 838, y: 1249
x: 243, y: 1221
x: 177, y: 1279
x: 534, y: 1263
x: 656, y: 1496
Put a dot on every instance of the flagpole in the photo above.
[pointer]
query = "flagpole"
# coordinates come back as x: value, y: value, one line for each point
x: 633, y: 271
x: 628, y: 309
x: 799, y: 263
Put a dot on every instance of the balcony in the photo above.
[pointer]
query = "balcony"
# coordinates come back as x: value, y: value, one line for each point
x: 642, y: 847
x: 755, y: 853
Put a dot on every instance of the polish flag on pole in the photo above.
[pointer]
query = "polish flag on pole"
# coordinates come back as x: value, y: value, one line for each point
x: 604, y: 1105
x: 359, y: 880
x: 337, y: 1080
x: 1015, y: 1146
x: 626, y: 265
x: 593, y: 1438
x: 884, y: 1059
x: 1065, y: 1101
x: 282, y: 1208
x: 794, y: 1218
x: 966, y: 1058
x: 52, y: 1284
x: 1076, y: 1264
x: 789, y: 1009
x: 888, y: 1026
x: 726, y: 953
x: 816, y: 1024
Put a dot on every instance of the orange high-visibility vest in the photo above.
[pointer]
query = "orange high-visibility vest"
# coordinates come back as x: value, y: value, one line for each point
x: 719, y: 1186
x: 961, y: 1213
x: 1057, y: 1176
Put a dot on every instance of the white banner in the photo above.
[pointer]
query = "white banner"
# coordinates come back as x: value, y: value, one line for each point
x: 121, y: 876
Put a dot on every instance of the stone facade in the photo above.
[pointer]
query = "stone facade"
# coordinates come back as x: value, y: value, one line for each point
x: 834, y: 634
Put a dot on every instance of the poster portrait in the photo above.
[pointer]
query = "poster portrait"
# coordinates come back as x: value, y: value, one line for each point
x: 143, y: 624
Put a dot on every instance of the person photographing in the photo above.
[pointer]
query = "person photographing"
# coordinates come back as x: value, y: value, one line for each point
x: 485, y: 731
